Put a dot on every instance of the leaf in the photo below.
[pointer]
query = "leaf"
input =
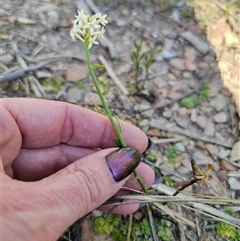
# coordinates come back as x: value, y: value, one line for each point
x: 119, y: 123
x: 98, y: 66
x: 189, y: 102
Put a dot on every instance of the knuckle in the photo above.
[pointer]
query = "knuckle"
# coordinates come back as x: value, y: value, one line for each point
x: 91, y: 183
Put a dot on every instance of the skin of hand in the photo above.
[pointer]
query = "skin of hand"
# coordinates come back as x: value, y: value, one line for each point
x: 53, y: 169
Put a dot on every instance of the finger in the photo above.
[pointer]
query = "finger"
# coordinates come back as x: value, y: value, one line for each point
x: 44, y: 123
x: 85, y: 184
x: 130, y: 206
x: 35, y: 164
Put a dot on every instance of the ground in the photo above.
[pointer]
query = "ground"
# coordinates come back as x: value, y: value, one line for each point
x: 188, y: 101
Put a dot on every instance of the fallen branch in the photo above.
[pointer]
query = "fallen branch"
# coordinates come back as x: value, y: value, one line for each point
x: 112, y: 75
x: 23, y: 72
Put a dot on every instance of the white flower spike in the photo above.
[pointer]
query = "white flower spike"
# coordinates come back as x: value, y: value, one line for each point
x: 87, y: 29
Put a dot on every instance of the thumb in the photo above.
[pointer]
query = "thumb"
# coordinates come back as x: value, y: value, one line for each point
x: 87, y: 183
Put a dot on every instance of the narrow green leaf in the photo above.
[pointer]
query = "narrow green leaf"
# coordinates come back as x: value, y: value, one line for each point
x: 98, y: 66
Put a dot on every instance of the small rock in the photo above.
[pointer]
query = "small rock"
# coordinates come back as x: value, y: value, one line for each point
x: 144, y: 123
x: 202, y: 159
x: 200, y: 145
x: 209, y: 129
x: 182, y: 111
x: 138, y: 216
x: 75, y: 95
x: 158, y: 69
x: 209, y: 59
x: 76, y: 72
x: 177, y: 63
x: 223, y: 153
x: 199, y: 44
x: 221, y: 117
x: 189, y: 65
x: 180, y: 147
x: 193, y: 117
x: 203, y: 65
x: 175, y: 107
x: 235, y: 152
x: 201, y: 121
x: 167, y: 113
x: 186, y: 74
x: 211, y: 148
x: 176, y: 72
x: 222, y: 175
x: 148, y: 113
x: 186, y: 162
x: 214, y: 89
x: 183, y: 170
x: 159, y: 82
x: 227, y: 166
x: 7, y: 58
x: 219, y: 102
x: 216, y: 166
x: 171, y: 76
x: 154, y: 132
x: 181, y: 122
x: 92, y: 98
x: 233, y: 183
x: 190, y: 54
x: 174, y: 95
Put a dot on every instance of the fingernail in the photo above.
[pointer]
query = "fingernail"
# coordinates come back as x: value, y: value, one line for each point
x: 151, y: 144
x: 122, y: 162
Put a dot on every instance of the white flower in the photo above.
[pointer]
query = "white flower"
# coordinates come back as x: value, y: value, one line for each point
x: 86, y: 28
x: 92, y: 41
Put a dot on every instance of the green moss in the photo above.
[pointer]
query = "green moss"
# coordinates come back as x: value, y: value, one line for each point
x: 172, y: 153
x: 151, y: 155
x: 192, y: 101
x: 53, y: 84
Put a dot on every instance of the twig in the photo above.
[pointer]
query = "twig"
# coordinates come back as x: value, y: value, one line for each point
x: 181, y: 225
x: 112, y: 75
x: 167, y: 140
x: 23, y: 72
x: 197, y: 204
x: 36, y: 87
x: 174, y: 100
x: 49, y: 56
x: 130, y: 218
x: 152, y: 225
x: 191, y: 134
x: 176, y: 216
x: 180, y: 198
x: 165, y: 170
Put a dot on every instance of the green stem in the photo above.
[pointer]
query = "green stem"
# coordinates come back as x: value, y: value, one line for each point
x: 95, y: 82
x: 118, y: 133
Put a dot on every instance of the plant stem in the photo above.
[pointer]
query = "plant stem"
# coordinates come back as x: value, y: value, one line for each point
x: 118, y: 133
x: 95, y: 82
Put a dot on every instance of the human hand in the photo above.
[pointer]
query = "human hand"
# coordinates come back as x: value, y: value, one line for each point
x: 55, y: 166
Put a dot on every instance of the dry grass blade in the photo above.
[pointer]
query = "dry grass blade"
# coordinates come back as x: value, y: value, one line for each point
x: 176, y: 216
x: 206, y: 209
x: 152, y: 225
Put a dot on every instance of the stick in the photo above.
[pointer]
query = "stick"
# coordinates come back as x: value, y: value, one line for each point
x: 191, y: 134
x: 112, y: 75
x: 22, y: 73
